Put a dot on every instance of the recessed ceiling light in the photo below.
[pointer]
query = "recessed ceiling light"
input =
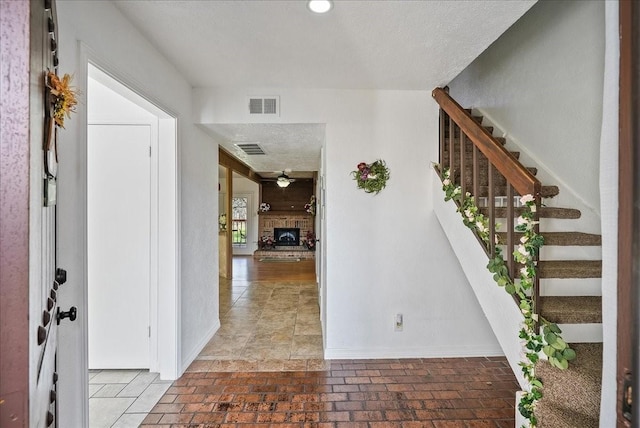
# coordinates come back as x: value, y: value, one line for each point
x: 320, y: 6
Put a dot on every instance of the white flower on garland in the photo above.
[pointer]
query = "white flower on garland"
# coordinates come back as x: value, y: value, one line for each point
x: 530, y: 244
x: 527, y: 198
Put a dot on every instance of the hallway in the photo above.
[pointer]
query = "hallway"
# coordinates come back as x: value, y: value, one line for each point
x: 270, y: 319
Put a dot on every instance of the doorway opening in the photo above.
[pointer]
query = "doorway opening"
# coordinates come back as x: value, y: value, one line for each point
x: 239, y: 221
x: 131, y: 245
x: 131, y: 233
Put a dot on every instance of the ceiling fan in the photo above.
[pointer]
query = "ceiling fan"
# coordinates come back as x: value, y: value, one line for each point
x: 283, y: 179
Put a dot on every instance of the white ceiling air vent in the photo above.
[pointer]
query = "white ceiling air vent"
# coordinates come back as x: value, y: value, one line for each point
x: 266, y: 105
x: 251, y: 148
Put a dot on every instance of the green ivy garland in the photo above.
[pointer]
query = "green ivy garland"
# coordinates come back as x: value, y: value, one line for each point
x: 372, y: 178
x: 550, y: 342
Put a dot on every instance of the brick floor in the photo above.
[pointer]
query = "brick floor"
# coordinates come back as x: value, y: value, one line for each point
x: 426, y: 393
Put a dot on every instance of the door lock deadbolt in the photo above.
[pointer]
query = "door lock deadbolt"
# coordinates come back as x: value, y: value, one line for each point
x: 72, y: 313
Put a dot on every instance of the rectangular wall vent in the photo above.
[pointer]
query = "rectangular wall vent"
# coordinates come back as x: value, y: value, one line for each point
x: 266, y: 105
x: 251, y: 148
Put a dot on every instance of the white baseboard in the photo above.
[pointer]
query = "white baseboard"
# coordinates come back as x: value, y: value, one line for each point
x: 423, y: 352
x: 186, y: 361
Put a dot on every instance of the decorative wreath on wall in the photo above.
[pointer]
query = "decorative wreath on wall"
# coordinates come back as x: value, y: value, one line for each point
x: 372, y: 178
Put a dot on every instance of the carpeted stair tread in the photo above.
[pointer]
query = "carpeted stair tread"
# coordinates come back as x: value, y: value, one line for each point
x: 555, y: 416
x: 571, y: 309
x: 563, y: 238
x: 571, y: 397
x: 545, y: 191
x: 570, y: 268
x: 544, y: 212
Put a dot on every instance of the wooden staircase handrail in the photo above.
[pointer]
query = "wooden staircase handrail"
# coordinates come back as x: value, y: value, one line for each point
x: 520, y: 178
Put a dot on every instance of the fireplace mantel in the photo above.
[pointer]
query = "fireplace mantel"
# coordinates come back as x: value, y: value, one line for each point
x: 284, y: 213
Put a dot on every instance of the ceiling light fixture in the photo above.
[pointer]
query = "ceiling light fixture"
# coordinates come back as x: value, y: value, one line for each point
x: 283, y: 183
x: 283, y: 180
x: 320, y: 6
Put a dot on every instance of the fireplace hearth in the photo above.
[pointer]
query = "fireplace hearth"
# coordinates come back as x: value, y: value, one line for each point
x: 286, y: 236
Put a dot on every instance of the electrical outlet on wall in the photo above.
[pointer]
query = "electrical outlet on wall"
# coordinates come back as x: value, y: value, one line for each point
x: 399, y: 322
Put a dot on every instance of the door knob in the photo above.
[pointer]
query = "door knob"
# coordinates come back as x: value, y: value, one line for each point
x: 72, y: 313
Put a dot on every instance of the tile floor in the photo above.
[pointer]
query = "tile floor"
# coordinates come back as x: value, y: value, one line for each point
x: 264, y: 368
x: 122, y: 398
x: 428, y: 393
x: 265, y: 325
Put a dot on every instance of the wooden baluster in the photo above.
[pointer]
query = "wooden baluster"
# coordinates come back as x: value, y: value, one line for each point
x: 476, y: 175
x: 491, y: 204
x: 511, y: 236
x: 535, y: 295
x: 452, y: 133
x: 463, y: 165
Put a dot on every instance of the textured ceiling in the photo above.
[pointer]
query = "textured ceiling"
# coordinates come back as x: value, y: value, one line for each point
x: 400, y: 45
x: 287, y: 146
x: 357, y: 45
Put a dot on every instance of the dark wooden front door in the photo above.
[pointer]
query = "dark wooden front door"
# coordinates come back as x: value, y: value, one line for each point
x: 46, y: 279
x: 30, y: 279
x: 628, y: 215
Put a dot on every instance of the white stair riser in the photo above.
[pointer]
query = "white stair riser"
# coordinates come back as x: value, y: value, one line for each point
x: 581, y: 333
x: 571, y: 287
x: 556, y: 252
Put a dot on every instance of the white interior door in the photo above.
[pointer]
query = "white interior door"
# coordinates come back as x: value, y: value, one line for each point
x: 118, y: 213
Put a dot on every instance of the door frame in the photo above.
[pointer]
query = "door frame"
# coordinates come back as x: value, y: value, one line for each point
x: 168, y: 358
x: 250, y: 196
x: 628, y: 212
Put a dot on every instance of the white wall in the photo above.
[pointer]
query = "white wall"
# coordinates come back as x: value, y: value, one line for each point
x: 541, y: 84
x: 386, y: 254
x: 99, y: 31
x: 504, y: 316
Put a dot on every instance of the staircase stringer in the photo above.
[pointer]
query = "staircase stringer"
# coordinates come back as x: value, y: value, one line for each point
x: 503, y: 315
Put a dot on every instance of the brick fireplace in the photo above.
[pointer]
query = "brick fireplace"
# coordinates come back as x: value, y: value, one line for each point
x: 271, y: 220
